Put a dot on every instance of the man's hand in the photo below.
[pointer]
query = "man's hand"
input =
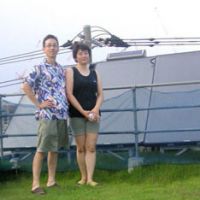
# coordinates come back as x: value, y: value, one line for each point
x: 46, y: 104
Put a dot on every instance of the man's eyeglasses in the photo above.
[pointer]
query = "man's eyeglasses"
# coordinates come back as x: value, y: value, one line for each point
x: 51, y: 45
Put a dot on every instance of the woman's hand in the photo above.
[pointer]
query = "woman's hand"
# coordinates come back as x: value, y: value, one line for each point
x: 85, y: 113
x: 94, y: 115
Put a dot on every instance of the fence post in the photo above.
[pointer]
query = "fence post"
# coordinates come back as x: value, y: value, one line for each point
x: 135, y: 161
x: 1, y: 128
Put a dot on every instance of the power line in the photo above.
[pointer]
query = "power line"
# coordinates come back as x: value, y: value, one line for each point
x: 166, y: 38
x: 11, y: 84
x: 31, y: 57
x: 35, y: 54
x: 19, y: 55
x: 10, y: 80
x: 101, y: 38
x: 156, y: 42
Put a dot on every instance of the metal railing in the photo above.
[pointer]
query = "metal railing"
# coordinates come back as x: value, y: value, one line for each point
x: 134, y: 110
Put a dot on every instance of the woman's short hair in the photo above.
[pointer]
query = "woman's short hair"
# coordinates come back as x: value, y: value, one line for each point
x: 80, y: 46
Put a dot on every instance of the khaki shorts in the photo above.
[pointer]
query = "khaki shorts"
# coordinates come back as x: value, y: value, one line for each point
x: 52, y: 134
x: 81, y: 126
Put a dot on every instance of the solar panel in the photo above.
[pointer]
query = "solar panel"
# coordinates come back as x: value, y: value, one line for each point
x: 126, y: 55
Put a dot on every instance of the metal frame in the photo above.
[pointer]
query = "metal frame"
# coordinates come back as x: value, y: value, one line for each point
x: 134, y: 159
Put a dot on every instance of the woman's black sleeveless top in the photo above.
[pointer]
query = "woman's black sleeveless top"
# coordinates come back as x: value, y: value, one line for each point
x: 85, y: 91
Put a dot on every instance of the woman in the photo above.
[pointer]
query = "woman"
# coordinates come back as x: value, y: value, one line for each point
x: 84, y: 92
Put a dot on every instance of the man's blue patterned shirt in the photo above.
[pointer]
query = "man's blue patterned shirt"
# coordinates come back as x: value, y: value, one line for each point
x: 48, y: 82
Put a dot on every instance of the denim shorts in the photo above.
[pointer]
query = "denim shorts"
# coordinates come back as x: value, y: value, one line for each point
x: 52, y: 135
x: 81, y: 126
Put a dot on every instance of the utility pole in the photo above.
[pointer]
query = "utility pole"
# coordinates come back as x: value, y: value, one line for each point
x: 87, y: 38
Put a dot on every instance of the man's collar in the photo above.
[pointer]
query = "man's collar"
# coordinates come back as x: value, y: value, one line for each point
x: 50, y: 65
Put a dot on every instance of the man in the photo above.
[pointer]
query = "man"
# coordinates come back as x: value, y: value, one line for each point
x: 45, y: 87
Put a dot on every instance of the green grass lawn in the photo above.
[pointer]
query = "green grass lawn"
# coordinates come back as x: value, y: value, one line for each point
x: 153, y: 182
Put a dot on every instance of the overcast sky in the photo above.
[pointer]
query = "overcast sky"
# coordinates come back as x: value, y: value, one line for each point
x: 24, y: 23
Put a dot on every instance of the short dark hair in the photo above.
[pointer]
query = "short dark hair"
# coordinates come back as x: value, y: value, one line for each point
x: 80, y: 46
x: 49, y: 37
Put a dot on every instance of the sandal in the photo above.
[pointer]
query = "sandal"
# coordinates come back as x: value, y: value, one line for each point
x: 92, y: 183
x: 81, y: 182
x: 55, y: 185
x: 38, y: 191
